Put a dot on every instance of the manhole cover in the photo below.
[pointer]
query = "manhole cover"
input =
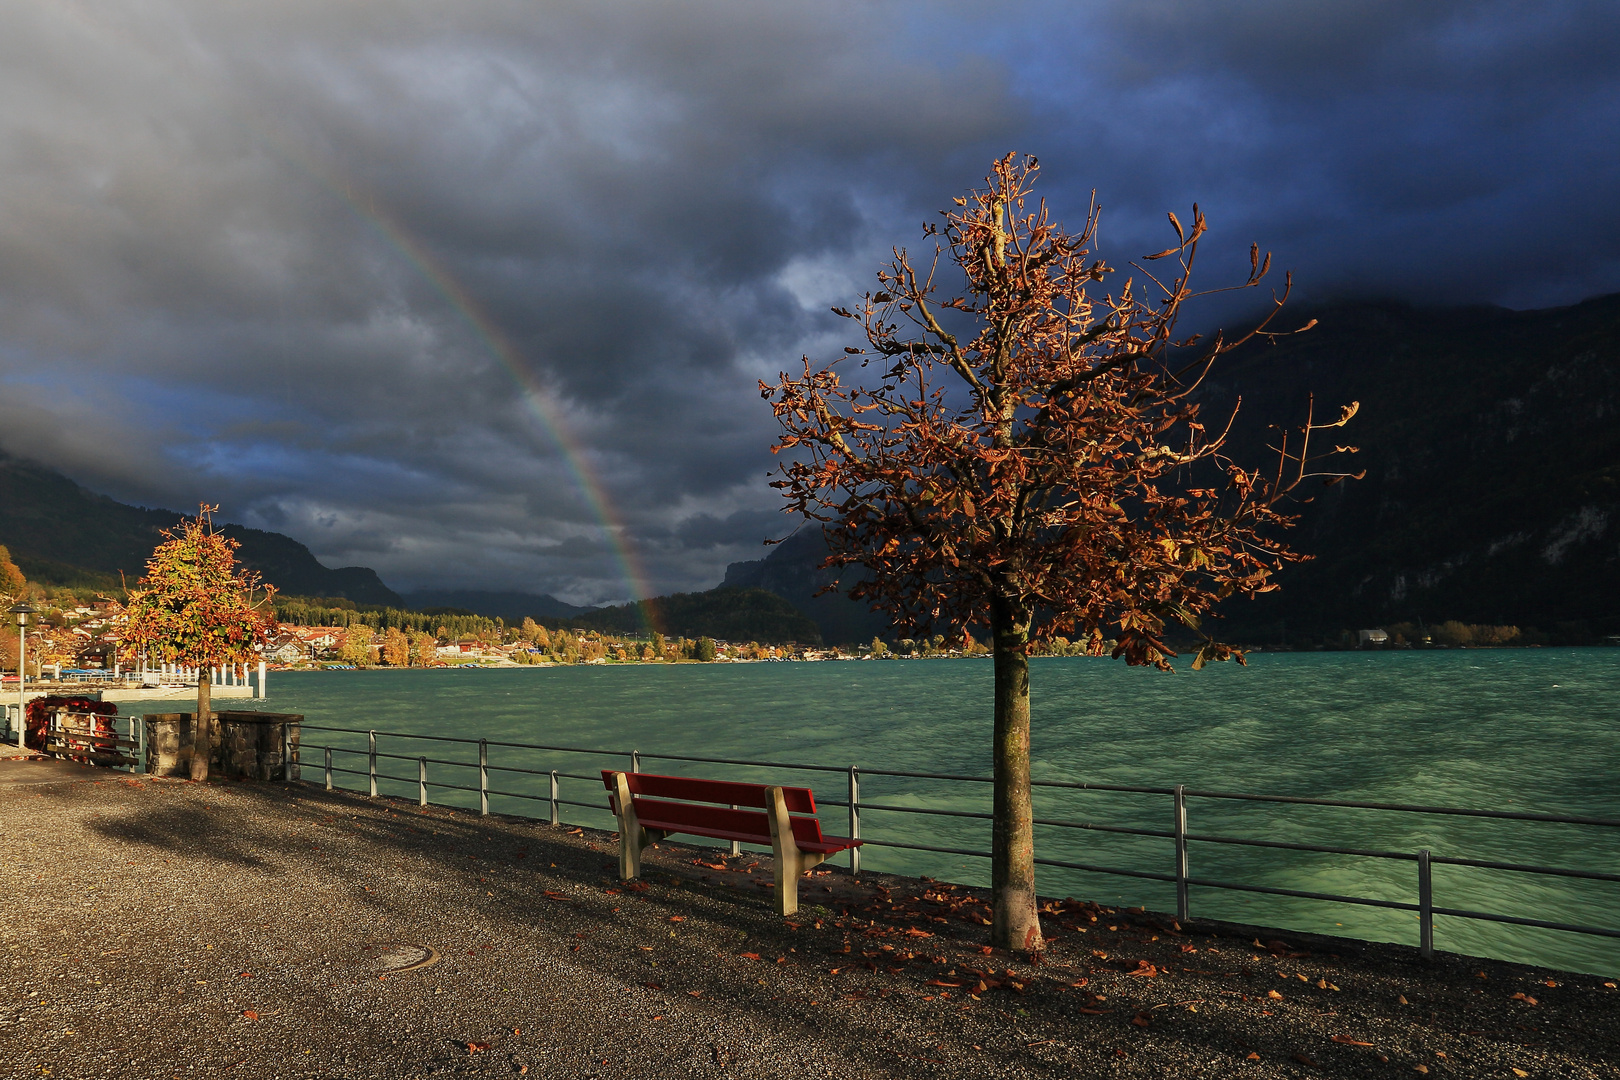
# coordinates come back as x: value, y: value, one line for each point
x: 390, y: 957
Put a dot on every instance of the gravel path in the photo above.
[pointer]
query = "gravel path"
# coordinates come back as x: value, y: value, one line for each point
x: 156, y: 928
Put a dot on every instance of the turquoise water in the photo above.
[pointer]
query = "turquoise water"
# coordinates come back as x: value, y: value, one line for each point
x: 1488, y: 729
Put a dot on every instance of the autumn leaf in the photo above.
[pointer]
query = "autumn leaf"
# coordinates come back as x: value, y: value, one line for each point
x: 477, y: 1047
x: 1348, y: 1041
x: 250, y: 1014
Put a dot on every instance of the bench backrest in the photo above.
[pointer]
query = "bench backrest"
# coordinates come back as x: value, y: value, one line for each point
x: 683, y: 800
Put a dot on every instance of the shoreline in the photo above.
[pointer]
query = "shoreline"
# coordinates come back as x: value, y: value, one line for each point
x: 241, y: 926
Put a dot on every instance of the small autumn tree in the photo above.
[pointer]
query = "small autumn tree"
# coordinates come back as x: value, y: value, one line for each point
x: 1023, y: 452
x: 196, y: 606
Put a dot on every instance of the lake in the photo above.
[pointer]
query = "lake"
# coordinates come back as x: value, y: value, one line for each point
x: 1530, y: 729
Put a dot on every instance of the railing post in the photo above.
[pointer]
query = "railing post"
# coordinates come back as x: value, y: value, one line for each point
x: 421, y: 781
x: 371, y: 738
x: 854, y: 818
x: 736, y: 845
x: 286, y: 753
x: 635, y: 761
x: 328, y: 768
x: 1181, y: 853
x: 1425, y: 906
x: 556, y: 818
x: 483, y: 777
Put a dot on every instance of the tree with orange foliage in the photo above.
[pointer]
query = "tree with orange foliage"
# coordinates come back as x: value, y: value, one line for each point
x: 1025, y: 454
x: 194, y: 606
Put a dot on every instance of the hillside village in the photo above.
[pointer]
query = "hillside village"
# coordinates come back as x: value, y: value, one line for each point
x: 86, y: 636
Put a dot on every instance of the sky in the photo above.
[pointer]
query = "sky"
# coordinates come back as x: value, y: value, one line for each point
x: 479, y: 294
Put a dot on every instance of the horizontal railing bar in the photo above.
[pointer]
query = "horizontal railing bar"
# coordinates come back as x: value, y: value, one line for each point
x: 1149, y: 874
x: 869, y: 842
x: 925, y: 775
x: 1161, y: 833
x: 400, y: 779
x: 520, y: 795
x: 544, y: 772
x: 1270, y: 890
x: 457, y: 787
x: 926, y: 810
x: 1524, y: 868
x: 1405, y: 856
x: 1517, y: 920
x: 1408, y: 808
x: 390, y: 734
x: 561, y: 749
x: 751, y: 764
x: 1079, y: 785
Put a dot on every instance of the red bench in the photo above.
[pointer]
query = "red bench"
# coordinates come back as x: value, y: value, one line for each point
x: 650, y: 808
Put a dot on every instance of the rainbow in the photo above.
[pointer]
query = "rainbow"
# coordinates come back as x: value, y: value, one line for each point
x: 535, y: 397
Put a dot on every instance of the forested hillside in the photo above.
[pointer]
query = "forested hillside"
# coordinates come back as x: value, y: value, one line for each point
x: 63, y: 534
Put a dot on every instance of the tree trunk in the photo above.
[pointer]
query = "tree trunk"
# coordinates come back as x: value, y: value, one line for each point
x: 1017, y: 925
x: 202, y: 729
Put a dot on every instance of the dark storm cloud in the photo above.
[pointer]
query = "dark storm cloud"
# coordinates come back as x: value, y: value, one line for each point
x: 269, y: 254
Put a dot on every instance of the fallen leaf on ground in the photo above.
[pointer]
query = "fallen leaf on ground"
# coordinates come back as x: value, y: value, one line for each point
x: 1520, y: 1072
x: 1526, y: 998
x: 1274, y: 995
x: 749, y: 955
x: 1141, y: 1019
x: 475, y: 1047
x: 652, y: 986
x: 250, y: 1014
x: 1252, y: 1055
x: 1348, y: 1041
x: 1144, y: 969
x: 1303, y: 1060
x: 1423, y: 1069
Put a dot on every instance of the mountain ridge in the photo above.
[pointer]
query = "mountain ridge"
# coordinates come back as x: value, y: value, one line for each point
x: 62, y: 533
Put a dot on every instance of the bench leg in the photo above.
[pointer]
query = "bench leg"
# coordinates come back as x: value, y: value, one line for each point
x: 631, y: 834
x: 790, y: 861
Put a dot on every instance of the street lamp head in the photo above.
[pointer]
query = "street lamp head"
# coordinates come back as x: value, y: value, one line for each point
x: 22, y: 609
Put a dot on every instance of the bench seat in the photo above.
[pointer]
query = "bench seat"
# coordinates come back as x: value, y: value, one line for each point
x: 650, y: 807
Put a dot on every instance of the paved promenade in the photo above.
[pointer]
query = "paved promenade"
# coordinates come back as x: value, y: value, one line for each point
x: 155, y: 928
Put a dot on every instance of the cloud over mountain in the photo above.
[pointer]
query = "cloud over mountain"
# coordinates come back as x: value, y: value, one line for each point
x: 478, y: 295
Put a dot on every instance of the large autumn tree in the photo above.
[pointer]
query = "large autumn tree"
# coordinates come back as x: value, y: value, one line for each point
x: 1021, y: 449
x: 195, y: 606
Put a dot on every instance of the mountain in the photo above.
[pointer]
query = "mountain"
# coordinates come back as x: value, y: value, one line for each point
x: 1491, y: 440
x: 514, y: 607
x: 729, y: 614
x: 792, y: 572
x: 62, y: 534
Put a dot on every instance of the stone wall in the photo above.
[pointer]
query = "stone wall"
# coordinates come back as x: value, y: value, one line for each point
x: 244, y: 745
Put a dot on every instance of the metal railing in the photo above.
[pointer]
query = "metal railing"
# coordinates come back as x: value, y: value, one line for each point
x: 1178, y: 874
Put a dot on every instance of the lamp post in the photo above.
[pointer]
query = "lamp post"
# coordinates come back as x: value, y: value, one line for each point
x: 22, y: 609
